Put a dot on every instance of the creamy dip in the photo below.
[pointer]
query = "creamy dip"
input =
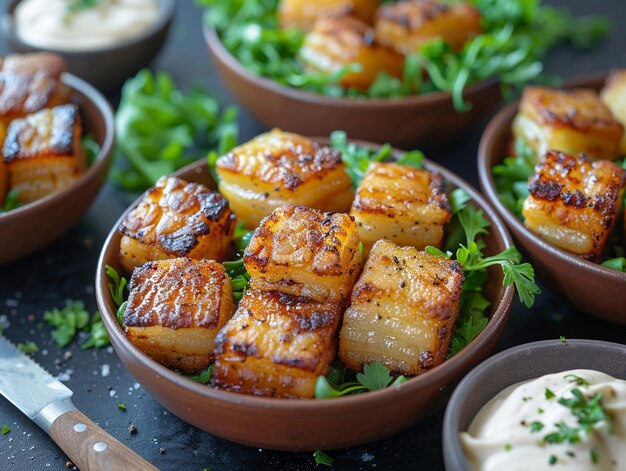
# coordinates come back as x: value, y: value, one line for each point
x: 517, y: 429
x: 49, y: 24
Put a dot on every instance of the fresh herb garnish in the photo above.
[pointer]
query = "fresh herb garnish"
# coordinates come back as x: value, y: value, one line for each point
x: 593, y: 455
x: 571, y: 378
x: 552, y: 460
x: 121, y: 406
x: 11, y: 200
x: 549, y: 394
x: 91, y: 148
x: 617, y: 263
x: 75, y: 6
x: 562, y: 339
x: 5, y: 429
x: 536, y: 426
x: 508, y: 446
x: 235, y: 269
x: 71, y: 319
x: 517, y: 35
x: 203, y: 377
x: 28, y: 347
x: 116, y: 285
x: 160, y: 129
x: 322, y: 458
x: 98, y: 335
x: 342, y: 382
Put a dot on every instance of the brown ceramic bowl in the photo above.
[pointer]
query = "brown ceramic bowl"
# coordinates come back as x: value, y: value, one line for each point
x: 405, y: 122
x: 517, y: 364
x: 105, y: 68
x: 288, y: 424
x: 589, y: 286
x: 34, y: 225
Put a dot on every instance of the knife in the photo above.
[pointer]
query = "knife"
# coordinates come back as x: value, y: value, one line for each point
x: 47, y: 402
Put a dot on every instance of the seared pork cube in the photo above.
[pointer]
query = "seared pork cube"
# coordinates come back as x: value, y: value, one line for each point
x: 175, y: 309
x: 406, y: 205
x: 342, y: 41
x: 43, y: 152
x: 276, y: 168
x: 402, y: 310
x: 305, y: 252
x: 275, y: 345
x: 302, y: 14
x: 573, y: 202
x: 408, y: 25
x: 176, y: 219
x: 571, y: 121
x: 614, y: 96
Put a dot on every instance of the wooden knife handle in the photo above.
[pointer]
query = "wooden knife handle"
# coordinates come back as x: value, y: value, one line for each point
x: 92, y: 449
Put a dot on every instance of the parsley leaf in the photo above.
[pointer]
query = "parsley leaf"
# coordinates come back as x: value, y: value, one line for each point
x: 342, y: 382
x: 28, y: 347
x: 203, y: 377
x: 73, y: 318
x: 322, y: 458
x: 536, y: 426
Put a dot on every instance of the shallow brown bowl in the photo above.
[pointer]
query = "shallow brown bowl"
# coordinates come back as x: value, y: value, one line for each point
x: 30, y: 227
x: 517, y: 364
x: 589, y: 286
x: 105, y: 68
x: 418, y: 120
x: 291, y: 424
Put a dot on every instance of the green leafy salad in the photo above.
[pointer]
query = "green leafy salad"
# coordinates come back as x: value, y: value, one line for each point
x: 463, y: 242
x: 516, y: 36
x: 511, y: 178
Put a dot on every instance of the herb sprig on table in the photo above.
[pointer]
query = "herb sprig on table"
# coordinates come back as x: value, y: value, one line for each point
x: 517, y: 35
x: 73, y: 318
x: 511, y: 180
x: 161, y: 129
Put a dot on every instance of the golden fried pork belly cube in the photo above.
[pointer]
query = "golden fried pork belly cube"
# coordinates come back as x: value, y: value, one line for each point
x: 176, y: 308
x: 275, y: 345
x: 403, y: 204
x: 43, y: 152
x: 614, y: 96
x: 341, y: 41
x: 573, y: 202
x: 176, y: 219
x: 407, y: 25
x: 572, y: 121
x: 402, y: 310
x: 302, y: 14
x: 30, y: 83
x: 305, y: 252
x: 276, y: 168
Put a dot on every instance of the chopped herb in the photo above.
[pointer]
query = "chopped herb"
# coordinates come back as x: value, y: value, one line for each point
x: 576, y: 379
x: 571, y: 454
x: 74, y: 6
x: 67, y: 321
x: 121, y: 406
x: 552, y: 460
x: 540, y: 410
x: 342, y: 382
x: 203, y: 377
x: 536, y: 426
x: 5, y: 429
x: 549, y: 394
x: 98, y: 335
x: 594, y: 455
x: 562, y: 339
x: 322, y: 458
x: 28, y: 347
x: 508, y: 446
x: 526, y: 398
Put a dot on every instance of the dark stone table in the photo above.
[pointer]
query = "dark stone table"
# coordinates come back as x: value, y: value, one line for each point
x: 65, y: 270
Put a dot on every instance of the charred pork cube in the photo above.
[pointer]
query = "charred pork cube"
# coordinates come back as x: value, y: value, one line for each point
x: 175, y: 309
x: 402, y: 310
x: 573, y: 202
x: 43, y: 152
x: 176, y: 219
x: 302, y: 14
x: 277, y: 168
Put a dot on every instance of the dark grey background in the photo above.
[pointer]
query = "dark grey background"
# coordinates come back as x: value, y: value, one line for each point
x: 65, y: 270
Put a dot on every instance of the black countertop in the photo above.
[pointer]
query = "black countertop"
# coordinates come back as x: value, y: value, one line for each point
x: 66, y: 270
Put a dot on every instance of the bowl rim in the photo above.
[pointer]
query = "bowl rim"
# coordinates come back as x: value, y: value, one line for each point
x: 451, y: 443
x: 101, y: 160
x: 435, y: 376
x: 167, y: 10
x: 215, y: 45
x: 501, y: 123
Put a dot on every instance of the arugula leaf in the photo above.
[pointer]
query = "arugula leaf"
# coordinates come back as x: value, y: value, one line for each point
x: 160, y: 129
x: 322, y: 458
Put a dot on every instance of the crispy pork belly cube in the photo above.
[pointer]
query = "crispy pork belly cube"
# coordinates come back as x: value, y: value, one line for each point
x: 572, y: 121
x: 275, y: 345
x: 337, y: 42
x: 30, y: 83
x: 614, y: 96
x: 276, y: 168
x: 302, y: 14
x: 43, y: 152
x: 175, y: 309
x: 402, y: 310
x: 407, y: 25
x: 403, y: 204
x: 176, y: 219
x: 574, y: 203
x: 305, y: 252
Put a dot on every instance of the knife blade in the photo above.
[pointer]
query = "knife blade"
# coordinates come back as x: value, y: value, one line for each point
x: 48, y: 403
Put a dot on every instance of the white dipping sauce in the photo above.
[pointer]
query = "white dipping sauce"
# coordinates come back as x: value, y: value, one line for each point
x: 47, y: 24
x: 500, y: 436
